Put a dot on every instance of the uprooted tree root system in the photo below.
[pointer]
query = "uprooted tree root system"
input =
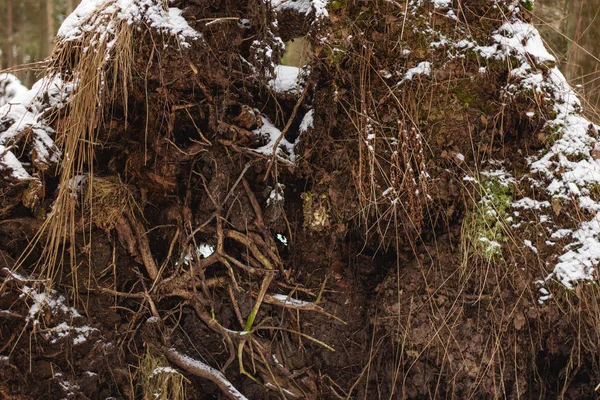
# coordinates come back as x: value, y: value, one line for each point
x: 164, y: 256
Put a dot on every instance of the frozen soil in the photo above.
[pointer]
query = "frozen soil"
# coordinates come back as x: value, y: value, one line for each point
x: 349, y: 266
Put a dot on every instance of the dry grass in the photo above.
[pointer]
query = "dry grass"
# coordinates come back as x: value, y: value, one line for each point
x: 158, y: 380
x: 101, y: 65
x: 111, y: 200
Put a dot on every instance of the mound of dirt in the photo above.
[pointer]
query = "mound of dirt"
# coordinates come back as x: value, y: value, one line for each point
x: 410, y: 215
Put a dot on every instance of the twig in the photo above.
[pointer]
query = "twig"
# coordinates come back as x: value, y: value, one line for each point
x: 144, y: 247
x: 205, y: 371
x: 285, y: 129
x: 288, y: 302
x: 216, y: 213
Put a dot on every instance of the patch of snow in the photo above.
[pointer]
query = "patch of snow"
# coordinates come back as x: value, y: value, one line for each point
x: 270, y: 134
x: 276, y: 195
x: 423, y: 68
x: 544, y: 295
x: 502, y: 177
x: 27, y: 111
x: 308, y: 122
x: 441, y: 3
x: 92, y: 14
x: 205, y: 250
x: 79, y: 333
x: 530, y: 204
x: 281, y: 238
x: 47, y: 300
x: 164, y: 370
x: 561, y: 233
x: 289, y: 301
x: 530, y: 245
x: 287, y: 79
x: 306, y: 7
x: 579, y: 264
x: 10, y: 87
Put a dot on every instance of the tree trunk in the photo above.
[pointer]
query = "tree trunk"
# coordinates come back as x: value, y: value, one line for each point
x: 582, y: 58
x: 10, y: 31
x: 49, y: 25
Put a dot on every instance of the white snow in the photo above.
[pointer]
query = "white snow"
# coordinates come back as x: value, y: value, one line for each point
x: 286, y: 80
x: 62, y: 330
x: 308, y: 121
x: 270, y: 133
x: 530, y: 245
x: 26, y: 111
x: 567, y: 168
x: 91, y: 15
x: 10, y: 87
x: 529, y: 203
x: 205, y: 250
x: 306, y: 7
x: 423, y: 68
x: 276, y: 195
x: 281, y: 238
x: 579, y: 264
x: 164, y: 370
x: 47, y: 300
x: 441, y: 3
x: 43, y: 301
x: 289, y: 301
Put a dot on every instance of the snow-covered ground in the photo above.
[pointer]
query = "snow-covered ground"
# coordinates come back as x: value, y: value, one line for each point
x: 10, y: 87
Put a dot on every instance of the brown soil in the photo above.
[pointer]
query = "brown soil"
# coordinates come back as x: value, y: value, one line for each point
x: 396, y: 312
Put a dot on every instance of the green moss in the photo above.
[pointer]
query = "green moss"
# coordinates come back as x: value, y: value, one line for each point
x: 527, y: 4
x: 595, y: 192
x: 550, y: 134
x: 484, y: 228
x: 334, y: 55
x: 316, y: 210
x: 464, y: 96
x: 337, y: 5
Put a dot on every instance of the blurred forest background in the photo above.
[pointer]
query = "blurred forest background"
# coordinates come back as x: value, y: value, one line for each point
x: 571, y: 29
x: 27, y: 29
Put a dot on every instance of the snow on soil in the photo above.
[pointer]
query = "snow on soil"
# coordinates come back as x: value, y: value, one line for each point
x: 42, y: 301
x: 10, y: 87
x: 27, y: 111
x: 150, y: 12
x: 423, y: 68
x: 270, y: 133
x: 286, y: 80
x: 306, y: 7
x: 568, y: 170
x: 308, y: 121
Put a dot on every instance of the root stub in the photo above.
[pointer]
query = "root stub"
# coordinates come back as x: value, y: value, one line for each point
x: 202, y: 370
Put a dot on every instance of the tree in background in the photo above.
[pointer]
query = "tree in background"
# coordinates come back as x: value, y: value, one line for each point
x: 27, y: 29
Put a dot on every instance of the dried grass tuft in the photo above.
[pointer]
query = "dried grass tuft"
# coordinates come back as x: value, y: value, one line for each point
x: 110, y: 200
x: 100, y: 63
x: 158, y: 380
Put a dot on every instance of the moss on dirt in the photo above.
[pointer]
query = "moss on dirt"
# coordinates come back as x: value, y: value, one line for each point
x: 485, y: 228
